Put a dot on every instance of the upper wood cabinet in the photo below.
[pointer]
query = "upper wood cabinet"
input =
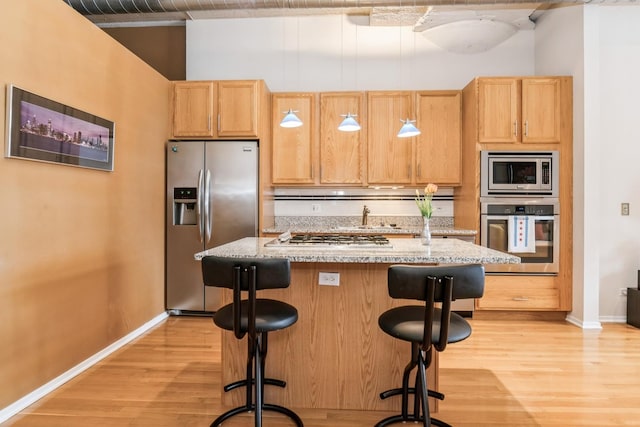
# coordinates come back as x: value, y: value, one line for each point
x: 341, y: 153
x: 438, y: 147
x: 512, y: 110
x: 293, y: 149
x: 541, y: 115
x: 389, y: 158
x: 374, y: 155
x: 216, y: 109
x: 193, y: 109
x: 237, y: 108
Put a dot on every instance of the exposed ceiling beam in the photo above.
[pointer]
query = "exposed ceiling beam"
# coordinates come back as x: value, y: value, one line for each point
x: 381, y: 12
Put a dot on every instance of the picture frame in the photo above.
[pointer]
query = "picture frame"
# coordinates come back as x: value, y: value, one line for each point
x: 44, y: 130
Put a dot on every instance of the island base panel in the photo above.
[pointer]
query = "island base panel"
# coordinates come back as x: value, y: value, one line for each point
x: 335, y: 356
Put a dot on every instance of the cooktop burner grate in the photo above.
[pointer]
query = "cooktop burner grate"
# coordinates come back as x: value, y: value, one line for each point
x: 339, y: 239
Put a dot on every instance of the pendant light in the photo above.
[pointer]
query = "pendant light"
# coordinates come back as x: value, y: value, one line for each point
x: 349, y: 124
x: 408, y: 129
x: 290, y: 119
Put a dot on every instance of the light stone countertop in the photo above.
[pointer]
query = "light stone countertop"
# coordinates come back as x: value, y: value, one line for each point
x: 407, y: 251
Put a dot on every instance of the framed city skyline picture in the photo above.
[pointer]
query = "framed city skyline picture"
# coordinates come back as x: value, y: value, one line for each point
x: 44, y: 130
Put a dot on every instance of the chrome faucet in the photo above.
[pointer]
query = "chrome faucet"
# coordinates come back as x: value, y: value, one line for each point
x: 365, y: 212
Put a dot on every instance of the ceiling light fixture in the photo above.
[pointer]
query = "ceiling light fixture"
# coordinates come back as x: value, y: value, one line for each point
x: 470, y: 36
x: 408, y: 129
x: 290, y: 119
x: 349, y: 124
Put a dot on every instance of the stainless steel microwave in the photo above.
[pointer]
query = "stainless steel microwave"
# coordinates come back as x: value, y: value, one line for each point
x: 519, y: 173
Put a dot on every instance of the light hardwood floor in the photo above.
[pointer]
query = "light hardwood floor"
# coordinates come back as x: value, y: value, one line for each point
x: 508, y: 373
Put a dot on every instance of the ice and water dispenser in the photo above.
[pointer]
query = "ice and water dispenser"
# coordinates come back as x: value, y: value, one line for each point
x: 185, y: 206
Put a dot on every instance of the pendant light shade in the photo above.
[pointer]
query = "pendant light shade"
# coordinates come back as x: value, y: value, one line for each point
x: 349, y: 124
x: 408, y: 129
x: 290, y: 120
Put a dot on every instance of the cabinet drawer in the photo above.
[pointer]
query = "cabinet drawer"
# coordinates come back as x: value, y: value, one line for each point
x: 519, y: 293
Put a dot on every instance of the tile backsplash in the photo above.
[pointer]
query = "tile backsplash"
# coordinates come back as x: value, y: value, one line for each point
x: 299, y: 206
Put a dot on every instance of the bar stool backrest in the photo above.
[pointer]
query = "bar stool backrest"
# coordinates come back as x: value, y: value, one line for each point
x: 245, y: 275
x: 271, y: 273
x: 404, y: 281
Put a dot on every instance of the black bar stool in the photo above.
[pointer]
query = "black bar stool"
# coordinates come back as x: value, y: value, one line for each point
x: 253, y: 317
x: 427, y: 326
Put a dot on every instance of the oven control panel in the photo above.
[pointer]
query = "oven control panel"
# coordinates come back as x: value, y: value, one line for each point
x: 513, y: 209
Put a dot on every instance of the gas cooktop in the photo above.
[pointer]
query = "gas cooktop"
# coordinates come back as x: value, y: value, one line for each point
x: 315, y: 240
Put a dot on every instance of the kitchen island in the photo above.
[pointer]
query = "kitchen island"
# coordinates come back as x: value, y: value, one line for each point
x: 336, y: 356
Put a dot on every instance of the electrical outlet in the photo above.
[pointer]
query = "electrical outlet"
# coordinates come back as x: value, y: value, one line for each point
x: 624, y: 209
x: 623, y: 292
x: 329, y: 279
x: 315, y: 207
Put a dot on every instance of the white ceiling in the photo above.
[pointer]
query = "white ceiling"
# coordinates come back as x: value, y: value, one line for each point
x: 444, y: 22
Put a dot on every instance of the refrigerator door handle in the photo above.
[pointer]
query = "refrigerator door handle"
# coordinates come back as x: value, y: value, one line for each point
x: 199, y: 206
x: 207, y: 206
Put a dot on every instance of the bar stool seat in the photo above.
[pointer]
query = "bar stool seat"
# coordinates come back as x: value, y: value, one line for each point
x: 407, y: 324
x: 271, y: 315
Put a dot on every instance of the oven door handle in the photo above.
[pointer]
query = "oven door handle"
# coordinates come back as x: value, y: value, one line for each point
x: 505, y: 217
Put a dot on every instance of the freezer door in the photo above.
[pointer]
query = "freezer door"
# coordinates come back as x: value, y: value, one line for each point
x: 184, y: 287
x: 232, y: 193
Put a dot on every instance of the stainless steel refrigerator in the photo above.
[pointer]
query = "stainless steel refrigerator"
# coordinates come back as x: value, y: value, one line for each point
x: 212, y: 199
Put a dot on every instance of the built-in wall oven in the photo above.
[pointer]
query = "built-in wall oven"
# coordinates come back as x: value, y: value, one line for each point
x: 533, y: 219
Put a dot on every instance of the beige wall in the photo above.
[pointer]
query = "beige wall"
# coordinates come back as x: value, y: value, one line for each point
x: 81, y: 250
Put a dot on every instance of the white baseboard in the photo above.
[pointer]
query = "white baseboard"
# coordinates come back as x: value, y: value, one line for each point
x: 581, y: 324
x: 613, y: 319
x: 40, y: 392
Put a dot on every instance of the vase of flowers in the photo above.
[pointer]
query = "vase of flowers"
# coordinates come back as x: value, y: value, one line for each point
x: 424, y: 204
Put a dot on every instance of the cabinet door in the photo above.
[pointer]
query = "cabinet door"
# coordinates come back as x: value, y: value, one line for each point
x: 293, y: 154
x: 192, y: 109
x: 341, y: 153
x: 438, y: 147
x: 389, y: 158
x: 237, y: 108
x: 519, y: 292
x: 498, y: 110
x: 541, y: 110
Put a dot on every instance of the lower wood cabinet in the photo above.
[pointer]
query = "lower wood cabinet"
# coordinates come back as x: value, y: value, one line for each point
x: 519, y: 292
